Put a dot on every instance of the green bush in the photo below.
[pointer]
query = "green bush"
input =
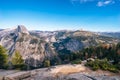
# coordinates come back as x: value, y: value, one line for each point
x: 112, y: 68
x: 47, y: 63
x: 78, y: 61
x: 93, y: 64
x: 95, y: 67
x: 102, y: 64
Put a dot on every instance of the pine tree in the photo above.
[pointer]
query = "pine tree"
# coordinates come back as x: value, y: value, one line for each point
x: 17, y: 60
x: 3, y: 57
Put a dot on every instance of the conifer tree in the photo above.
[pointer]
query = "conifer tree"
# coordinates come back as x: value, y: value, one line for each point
x: 17, y: 60
x: 3, y: 57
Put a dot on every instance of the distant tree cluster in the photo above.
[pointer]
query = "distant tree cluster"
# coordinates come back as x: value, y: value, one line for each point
x: 107, y: 57
x: 111, y: 52
x: 103, y: 64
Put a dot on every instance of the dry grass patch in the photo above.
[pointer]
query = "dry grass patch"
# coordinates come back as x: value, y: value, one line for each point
x: 67, y: 69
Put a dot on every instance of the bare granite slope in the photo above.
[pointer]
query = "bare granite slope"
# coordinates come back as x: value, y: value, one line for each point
x: 62, y: 72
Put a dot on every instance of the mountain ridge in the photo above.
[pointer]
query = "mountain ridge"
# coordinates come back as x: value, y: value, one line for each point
x: 36, y: 46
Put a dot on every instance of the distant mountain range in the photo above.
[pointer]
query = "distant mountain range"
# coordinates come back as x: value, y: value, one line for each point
x: 1, y: 29
x: 39, y: 45
x: 111, y: 34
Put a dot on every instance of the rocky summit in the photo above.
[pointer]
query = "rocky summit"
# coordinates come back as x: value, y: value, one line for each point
x: 36, y: 46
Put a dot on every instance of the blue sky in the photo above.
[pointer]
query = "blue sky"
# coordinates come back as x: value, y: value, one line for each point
x: 93, y: 15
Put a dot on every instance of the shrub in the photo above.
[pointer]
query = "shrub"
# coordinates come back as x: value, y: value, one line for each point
x: 47, y: 63
x: 102, y: 64
x: 112, y: 68
x: 93, y: 64
x: 95, y: 67
x: 78, y: 61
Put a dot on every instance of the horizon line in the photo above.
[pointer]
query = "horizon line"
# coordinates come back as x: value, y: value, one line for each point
x: 81, y: 29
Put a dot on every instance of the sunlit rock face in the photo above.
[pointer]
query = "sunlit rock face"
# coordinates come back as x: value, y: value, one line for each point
x: 36, y: 46
x: 32, y: 48
x: 22, y: 29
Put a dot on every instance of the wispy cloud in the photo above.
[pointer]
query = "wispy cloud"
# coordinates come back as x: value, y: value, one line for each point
x: 104, y: 3
x: 99, y: 3
x: 84, y: 1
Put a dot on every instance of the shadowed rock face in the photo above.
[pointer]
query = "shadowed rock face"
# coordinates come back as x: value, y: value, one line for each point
x: 35, y: 46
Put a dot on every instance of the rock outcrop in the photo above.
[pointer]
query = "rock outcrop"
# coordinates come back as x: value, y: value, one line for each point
x: 22, y: 29
x: 61, y: 72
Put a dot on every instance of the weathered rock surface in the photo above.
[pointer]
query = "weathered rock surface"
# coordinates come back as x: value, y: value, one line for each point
x: 83, y: 73
x: 36, y: 46
x: 22, y: 29
x: 32, y: 48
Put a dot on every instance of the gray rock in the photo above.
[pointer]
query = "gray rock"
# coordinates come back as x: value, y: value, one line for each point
x: 36, y: 46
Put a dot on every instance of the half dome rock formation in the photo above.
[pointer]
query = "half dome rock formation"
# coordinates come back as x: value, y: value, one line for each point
x: 22, y: 29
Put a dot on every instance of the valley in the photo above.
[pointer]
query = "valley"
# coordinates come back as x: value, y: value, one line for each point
x: 59, y: 55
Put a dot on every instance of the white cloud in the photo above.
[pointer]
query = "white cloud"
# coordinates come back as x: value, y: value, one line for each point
x: 99, y: 3
x: 85, y: 1
x: 81, y: 1
x: 107, y: 2
x: 104, y: 3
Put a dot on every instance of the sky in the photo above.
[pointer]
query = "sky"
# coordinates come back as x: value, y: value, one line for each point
x: 50, y: 15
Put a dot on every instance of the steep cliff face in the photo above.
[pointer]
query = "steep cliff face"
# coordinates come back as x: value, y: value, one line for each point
x: 34, y: 49
x: 22, y: 29
x: 29, y: 46
x: 9, y: 37
x: 36, y: 46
